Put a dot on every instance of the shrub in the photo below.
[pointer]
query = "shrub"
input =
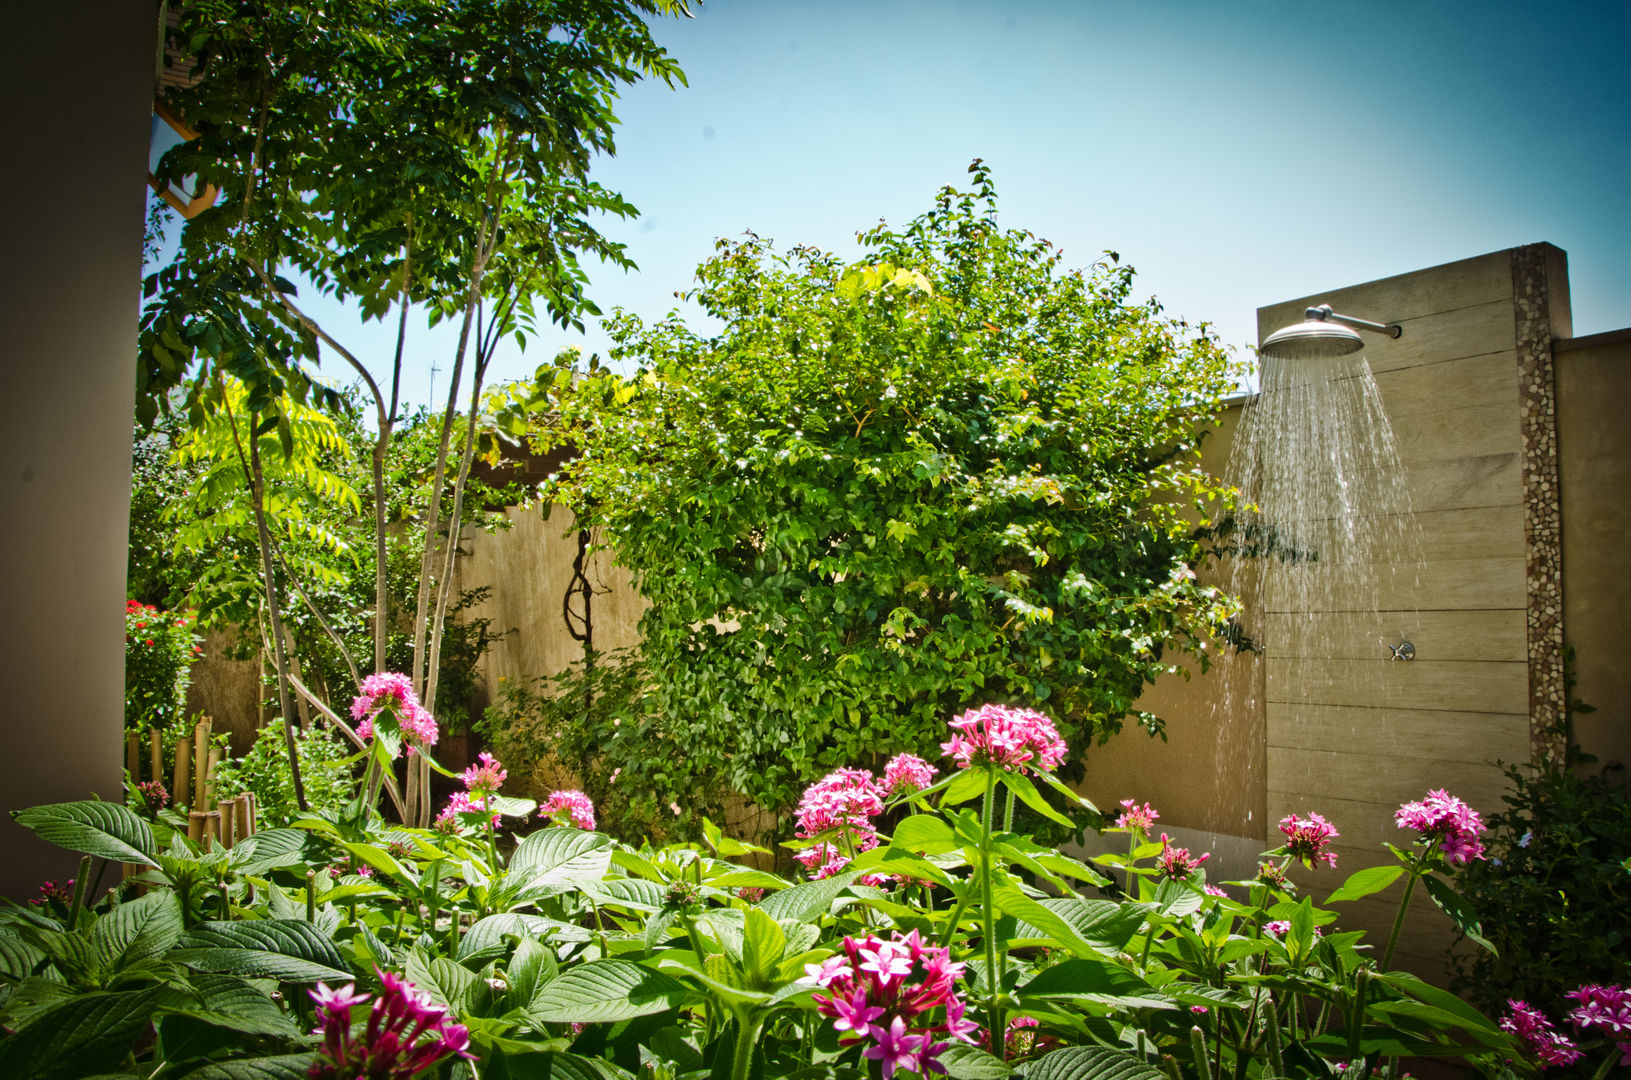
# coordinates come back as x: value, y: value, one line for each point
x: 160, y: 647
x: 264, y: 771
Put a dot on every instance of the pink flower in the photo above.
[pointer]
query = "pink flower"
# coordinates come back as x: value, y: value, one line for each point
x: 1309, y: 841
x: 1530, y: 1024
x: 1134, y: 816
x: 838, y: 809
x: 391, y: 692
x: 1607, y: 1009
x: 458, y: 803
x: 1019, y: 740
x: 883, y: 991
x: 485, y: 778
x: 1213, y: 890
x: 1176, y: 862
x: 407, y: 1033
x: 1456, y: 825
x: 905, y: 774
x: 569, y: 808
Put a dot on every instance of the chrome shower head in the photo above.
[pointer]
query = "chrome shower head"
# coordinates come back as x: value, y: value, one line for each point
x: 1323, y: 335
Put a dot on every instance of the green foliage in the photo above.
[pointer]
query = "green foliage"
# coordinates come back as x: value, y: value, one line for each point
x: 1553, y: 892
x: 160, y: 647
x: 954, y: 472
x: 264, y: 771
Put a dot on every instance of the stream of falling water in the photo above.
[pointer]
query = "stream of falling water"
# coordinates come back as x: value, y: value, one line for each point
x: 1328, y: 554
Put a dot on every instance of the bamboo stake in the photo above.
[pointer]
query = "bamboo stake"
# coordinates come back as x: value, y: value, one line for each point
x: 201, y: 750
x: 241, y: 822
x: 209, y: 774
x: 212, y: 829
x: 195, y: 827
x: 228, y: 811
x: 178, y: 789
x: 254, y: 805
x: 155, y: 755
x: 133, y: 757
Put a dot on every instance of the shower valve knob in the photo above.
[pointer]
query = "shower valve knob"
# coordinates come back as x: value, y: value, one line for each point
x: 1402, y: 651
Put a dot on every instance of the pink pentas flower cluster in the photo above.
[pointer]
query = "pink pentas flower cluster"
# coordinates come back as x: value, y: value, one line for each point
x: 839, y: 808
x: 1133, y: 816
x: 1019, y: 740
x: 885, y: 992
x: 407, y: 1033
x: 1606, y: 1009
x: 1309, y: 841
x: 1176, y: 862
x: 568, y: 808
x: 1456, y: 825
x: 906, y: 774
x: 486, y: 776
x: 1550, y: 1047
x: 481, y: 783
x: 389, y: 690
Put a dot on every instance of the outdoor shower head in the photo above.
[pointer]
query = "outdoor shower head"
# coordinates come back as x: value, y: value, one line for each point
x: 1322, y: 335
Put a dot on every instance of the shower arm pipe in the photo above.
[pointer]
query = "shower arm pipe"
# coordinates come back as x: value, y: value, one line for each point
x: 1324, y: 314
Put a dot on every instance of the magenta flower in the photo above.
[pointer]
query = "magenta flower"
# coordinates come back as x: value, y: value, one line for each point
x: 1310, y: 841
x: 1456, y: 825
x: 1176, y: 862
x: 1530, y: 1024
x: 1134, y: 816
x: 883, y: 991
x: 838, y: 809
x: 393, y: 692
x: 484, y: 778
x: 905, y: 774
x: 1606, y: 1009
x: 569, y: 808
x: 458, y: 803
x: 1019, y: 740
x: 407, y: 1033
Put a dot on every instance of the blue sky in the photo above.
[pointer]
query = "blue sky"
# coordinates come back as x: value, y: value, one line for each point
x: 1236, y: 154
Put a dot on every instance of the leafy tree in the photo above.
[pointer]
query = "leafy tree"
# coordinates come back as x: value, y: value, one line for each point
x: 429, y: 154
x: 954, y: 472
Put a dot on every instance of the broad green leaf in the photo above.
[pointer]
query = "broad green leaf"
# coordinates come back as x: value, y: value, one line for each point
x: 17, y: 957
x: 1012, y: 901
x: 752, y: 879
x: 106, y: 830
x: 1104, y: 923
x: 1091, y: 980
x: 138, y: 929
x: 1021, y: 785
x: 229, y: 1002
x: 603, y: 991
x: 278, y: 1067
x: 1456, y: 907
x: 924, y: 834
x: 270, y: 850
x: 900, y: 863
x: 377, y: 857
x: 763, y: 943
x: 633, y: 894
x: 565, y: 1066
x: 963, y: 1062
x: 809, y: 901
x: 291, y: 950
x: 1090, y: 1063
x: 561, y: 857
x: 967, y: 784
x: 488, y: 934
x: 1436, y: 996
x: 1372, y: 879
x: 510, y: 807
x: 87, y: 1034
x: 532, y: 966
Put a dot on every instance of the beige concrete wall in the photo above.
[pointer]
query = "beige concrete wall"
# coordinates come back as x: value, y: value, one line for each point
x: 529, y: 566
x: 1349, y: 734
x: 79, y: 93
x: 1594, y: 446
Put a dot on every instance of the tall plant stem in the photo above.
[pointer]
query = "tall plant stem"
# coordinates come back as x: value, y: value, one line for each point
x: 993, y: 1009
x: 1398, y: 922
x: 747, y: 1033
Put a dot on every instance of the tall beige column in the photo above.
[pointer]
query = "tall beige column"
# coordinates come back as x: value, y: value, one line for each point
x: 78, y: 88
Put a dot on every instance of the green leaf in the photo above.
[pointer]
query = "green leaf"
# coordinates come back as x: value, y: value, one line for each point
x: 1372, y: 879
x: 291, y: 950
x: 925, y: 834
x: 963, y: 1062
x: 87, y: 1034
x: 1090, y: 1063
x: 969, y: 1062
x: 138, y: 929
x: 1104, y: 923
x: 229, y: 1002
x: 273, y: 849
x: 17, y: 957
x: 561, y: 857
x: 106, y: 830
x: 967, y: 784
x: 809, y: 901
x: 1456, y: 907
x: 1021, y: 785
x: 1012, y: 901
x: 488, y: 934
x: 1092, y: 980
x: 603, y: 991
x: 763, y: 943
x: 278, y: 1067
